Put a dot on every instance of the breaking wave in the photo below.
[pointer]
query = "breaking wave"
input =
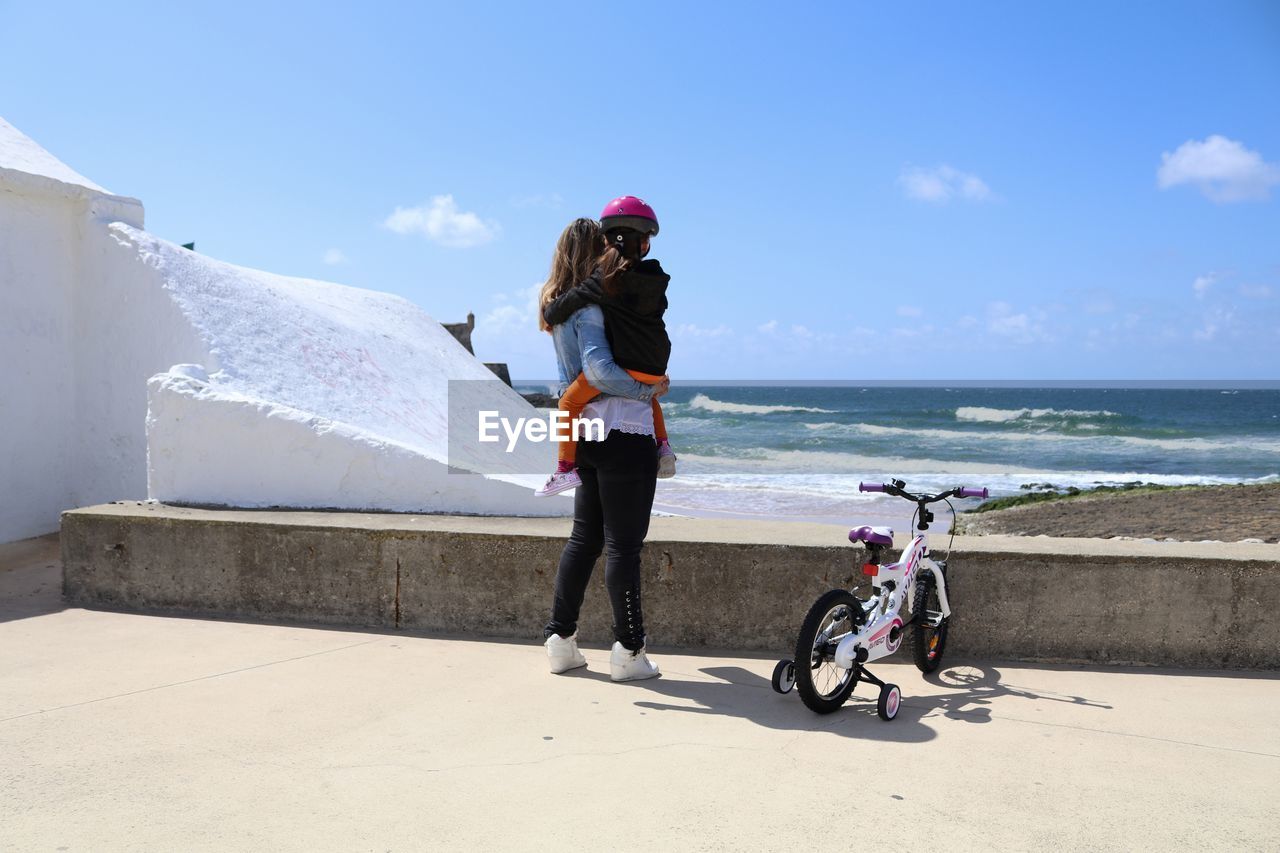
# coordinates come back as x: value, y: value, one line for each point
x: 1255, y: 444
x: 1000, y: 416
x: 705, y: 403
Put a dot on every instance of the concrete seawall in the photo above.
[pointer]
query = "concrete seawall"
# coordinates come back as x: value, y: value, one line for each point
x: 707, y: 584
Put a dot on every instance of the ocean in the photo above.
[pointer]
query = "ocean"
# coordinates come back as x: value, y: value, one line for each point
x: 799, y: 452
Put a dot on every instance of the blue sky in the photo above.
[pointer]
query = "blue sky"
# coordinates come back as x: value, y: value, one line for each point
x: 846, y: 190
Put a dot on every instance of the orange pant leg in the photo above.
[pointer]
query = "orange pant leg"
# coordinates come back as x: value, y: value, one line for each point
x: 659, y: 423
x: 573, y: 401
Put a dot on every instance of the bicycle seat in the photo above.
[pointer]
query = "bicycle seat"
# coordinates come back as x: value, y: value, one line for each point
x: 872, y: 535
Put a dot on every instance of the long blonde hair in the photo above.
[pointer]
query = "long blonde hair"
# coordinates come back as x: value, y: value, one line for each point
x: 579, y: 252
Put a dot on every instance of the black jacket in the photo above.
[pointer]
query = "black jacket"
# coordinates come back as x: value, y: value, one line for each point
x: 632, y: 315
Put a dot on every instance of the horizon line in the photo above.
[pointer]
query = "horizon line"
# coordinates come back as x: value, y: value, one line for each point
x: 1187, y: 384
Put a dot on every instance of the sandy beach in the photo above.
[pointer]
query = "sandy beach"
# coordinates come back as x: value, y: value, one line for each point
x: 1215, y: 513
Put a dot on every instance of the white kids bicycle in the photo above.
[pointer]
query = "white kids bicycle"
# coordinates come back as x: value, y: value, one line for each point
x: 841, y: 632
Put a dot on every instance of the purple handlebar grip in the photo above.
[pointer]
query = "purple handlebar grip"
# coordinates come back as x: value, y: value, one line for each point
x: 871, y: 487
x: 967, y: 492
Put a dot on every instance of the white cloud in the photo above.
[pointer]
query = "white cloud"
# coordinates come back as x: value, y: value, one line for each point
x: 441, y: 222
x: 941, y: 184
x: 1255, y: 291
x: 509, y: 332
x: 1099, y: 303
x: 1011, y: 326
x: 691, y: 330
x: 333, y: 257
x: 515, y: 313
x: 909, y: 311
x: 1019, y: 328
x: 1222, y: 169
x: 1214, y: 324
x: 923, y: 331
x: 786, y: 348
x: 1202, y: 284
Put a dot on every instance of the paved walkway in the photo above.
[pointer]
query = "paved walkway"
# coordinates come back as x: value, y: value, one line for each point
x: 127, y: 732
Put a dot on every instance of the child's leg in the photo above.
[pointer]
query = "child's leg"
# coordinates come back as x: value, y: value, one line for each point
x: 659, y: 424
x: 573, y: 401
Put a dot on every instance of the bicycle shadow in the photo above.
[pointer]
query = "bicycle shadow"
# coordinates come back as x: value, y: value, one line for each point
x: 739, y: 692
x: 977, y: 686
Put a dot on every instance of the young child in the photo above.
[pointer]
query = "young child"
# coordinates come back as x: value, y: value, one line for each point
x: 631, y: 292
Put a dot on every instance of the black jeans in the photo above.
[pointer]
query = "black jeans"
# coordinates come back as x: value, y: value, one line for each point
x: 610, y: 513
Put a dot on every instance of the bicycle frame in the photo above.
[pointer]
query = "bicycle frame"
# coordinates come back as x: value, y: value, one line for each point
x: 893, y: 585
x: 876, y: 627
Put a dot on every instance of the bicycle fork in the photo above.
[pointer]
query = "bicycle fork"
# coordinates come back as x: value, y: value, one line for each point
x: 881, y: 635
x: 940, y: 584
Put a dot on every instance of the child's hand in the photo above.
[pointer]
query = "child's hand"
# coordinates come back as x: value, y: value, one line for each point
x: 662, y: 387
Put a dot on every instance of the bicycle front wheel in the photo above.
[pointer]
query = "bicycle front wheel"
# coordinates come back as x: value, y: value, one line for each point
x: 929, y: 633
x: 823, y: 686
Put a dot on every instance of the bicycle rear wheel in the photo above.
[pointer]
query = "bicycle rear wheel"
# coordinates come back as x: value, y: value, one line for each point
x: 823, y: 686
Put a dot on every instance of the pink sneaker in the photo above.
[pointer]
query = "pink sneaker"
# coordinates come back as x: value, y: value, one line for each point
x: 560, y: 481
x: 666, y: 461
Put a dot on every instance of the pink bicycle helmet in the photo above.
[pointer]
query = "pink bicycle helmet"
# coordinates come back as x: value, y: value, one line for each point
x: 629, y: 212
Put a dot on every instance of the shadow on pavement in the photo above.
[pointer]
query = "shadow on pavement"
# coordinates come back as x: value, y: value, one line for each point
x: 974, y: 686
x: 738, y: 692
x: 30, y: 578
x: 970, y: 689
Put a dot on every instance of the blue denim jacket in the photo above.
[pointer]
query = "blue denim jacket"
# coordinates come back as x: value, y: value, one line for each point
x: 581, y: 347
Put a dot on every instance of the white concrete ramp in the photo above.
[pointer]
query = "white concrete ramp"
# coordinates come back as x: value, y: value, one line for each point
x: 314, y: 394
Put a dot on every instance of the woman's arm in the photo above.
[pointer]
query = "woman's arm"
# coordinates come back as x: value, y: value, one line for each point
x: 597, y: 358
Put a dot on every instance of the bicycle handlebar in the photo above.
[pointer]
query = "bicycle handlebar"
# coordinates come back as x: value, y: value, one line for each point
x: 895, y: 489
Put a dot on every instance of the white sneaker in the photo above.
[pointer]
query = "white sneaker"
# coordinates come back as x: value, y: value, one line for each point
x: 563, y: 653
x: 626, y: 665
x: 560, y: 481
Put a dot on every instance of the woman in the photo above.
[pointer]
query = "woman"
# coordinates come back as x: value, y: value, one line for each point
x: 619, y: 474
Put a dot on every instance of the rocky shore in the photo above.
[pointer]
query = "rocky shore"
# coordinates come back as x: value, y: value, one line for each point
x: 1191, y: 514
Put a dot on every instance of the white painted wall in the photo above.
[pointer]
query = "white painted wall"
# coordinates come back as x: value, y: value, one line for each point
x: 91, y: 307
x: 37, y: 276
x: 48, y: 216
x: 128, y: 328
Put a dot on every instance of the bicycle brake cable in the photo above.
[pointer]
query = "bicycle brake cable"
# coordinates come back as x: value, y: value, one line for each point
x: 953, y: 529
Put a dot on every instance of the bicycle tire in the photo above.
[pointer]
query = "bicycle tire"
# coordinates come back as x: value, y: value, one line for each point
x: 927, y: 642
x: 823, y: 686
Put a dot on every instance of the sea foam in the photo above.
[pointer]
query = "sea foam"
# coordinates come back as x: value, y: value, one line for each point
x: 986, y: 415
x: 702, y: 401
x: 1249, y: 444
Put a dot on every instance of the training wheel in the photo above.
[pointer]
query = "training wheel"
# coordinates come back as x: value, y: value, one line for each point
x: 784, y: 676
x: 890, y: 699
